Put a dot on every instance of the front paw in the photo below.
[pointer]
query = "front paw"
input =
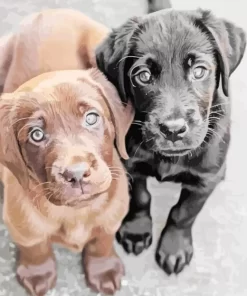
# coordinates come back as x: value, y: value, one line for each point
x: 37, y: 279
x: 135, y: 235
x: 175, y: 249
x: 103, y: 274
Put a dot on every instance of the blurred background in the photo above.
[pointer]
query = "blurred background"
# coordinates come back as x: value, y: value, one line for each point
x: 219, y: 265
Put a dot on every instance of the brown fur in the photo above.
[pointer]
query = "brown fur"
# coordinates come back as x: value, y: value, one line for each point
x: 40, y: 209
x: 54, y: 39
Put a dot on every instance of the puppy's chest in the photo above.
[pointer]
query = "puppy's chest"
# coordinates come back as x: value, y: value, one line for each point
x: 166, y: 171
x: 73, y: 235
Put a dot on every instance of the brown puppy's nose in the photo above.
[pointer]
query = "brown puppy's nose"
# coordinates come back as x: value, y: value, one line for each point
x: 174, y: 130
x: 76, y: 173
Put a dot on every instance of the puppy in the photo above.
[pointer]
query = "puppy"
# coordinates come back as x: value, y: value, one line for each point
x: 51, y: 40
x: 174, y: 66
x: 63, y: 179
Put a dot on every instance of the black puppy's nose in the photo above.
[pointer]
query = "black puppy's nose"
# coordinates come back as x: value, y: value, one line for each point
x: 174, y: 130
x: 76, y: 173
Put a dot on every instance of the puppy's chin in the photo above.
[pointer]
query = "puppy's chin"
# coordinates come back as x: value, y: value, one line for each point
x: 77, y: 198
x: 77, y: 203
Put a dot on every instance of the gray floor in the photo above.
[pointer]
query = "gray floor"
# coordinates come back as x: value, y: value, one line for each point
x: 219, y: 266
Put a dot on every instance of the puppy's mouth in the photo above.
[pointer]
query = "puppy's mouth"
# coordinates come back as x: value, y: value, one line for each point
x: 75, y: 203
x: 176, y: 152
x: 77, y: 197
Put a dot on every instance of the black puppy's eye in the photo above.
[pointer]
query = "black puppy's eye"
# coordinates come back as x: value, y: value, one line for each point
x: 199, y: 72
x: 92, y: 118
x: 143, y: 76
x: 37, y: 135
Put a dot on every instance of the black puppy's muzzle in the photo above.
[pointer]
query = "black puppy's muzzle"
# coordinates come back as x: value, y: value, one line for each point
x: 174, y: 130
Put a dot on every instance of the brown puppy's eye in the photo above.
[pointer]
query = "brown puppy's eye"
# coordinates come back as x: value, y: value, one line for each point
x: 37, y: 135
x: 92, y: 118
x: 199, y: 73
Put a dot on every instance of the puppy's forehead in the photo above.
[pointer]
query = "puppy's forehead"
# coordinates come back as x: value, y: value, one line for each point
x: 67, y: 87
x: 66, y: 98
x: 176, y: 34
x: 71, y: 95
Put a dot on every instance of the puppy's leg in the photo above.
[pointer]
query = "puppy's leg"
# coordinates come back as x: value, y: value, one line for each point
x: 36, y: 268
x: 103, y: 268
x: 175, y: 247
x: 135, y: 234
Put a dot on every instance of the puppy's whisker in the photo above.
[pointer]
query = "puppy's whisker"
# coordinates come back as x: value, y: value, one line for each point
x: 129, y: 176
x: 112, y: 167
x: 141, y: 123
x: 221, y: 104
x: 214, y: 120
x: 126, y: 57
x: 23, y: 118
x: 52, y: 167
x: 115, y: 174
x: 130, y: 74
x: 20, y: 130
x: 217, y: 113
x: 149, y: 140
x: 216, y: 134
x: 115, y: 170
x: 138, y: 148
x: 137, y: 124
x: 40, y: 184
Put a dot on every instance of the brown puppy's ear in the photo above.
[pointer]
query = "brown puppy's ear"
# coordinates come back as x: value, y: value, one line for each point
x: 113, y: 56
x: 10, y: 154
x: 6, y: 54
x: 229, y: 42
x: 122, y: 115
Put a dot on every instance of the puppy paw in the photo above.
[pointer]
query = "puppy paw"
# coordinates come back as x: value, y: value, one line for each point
x: 136, y: 235
x: 103, y: 274
x: 37, y: 279
x: 174, y: 250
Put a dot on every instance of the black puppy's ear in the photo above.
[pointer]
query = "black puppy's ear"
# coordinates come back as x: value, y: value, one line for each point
x: 112, y: 53
x: 229, y: 41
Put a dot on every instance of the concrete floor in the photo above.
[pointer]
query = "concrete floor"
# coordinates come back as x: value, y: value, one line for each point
x: 219, y: 265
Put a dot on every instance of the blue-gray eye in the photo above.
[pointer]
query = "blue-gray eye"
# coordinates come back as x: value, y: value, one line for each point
x: 144, y: 76
x: 199, y: 72
x: 92, y: 118
x: 37, y: 135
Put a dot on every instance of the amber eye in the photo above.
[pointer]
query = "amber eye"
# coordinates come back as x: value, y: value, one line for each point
x: 92, y: 118
x: 199, y: 72
x: 37, y: 135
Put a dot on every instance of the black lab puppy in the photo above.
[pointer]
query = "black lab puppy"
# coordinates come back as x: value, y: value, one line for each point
x: 175, y: 67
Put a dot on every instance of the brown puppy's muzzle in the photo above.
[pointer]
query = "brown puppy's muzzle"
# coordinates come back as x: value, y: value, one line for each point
x: 77, y: 176
x: 77, y: 180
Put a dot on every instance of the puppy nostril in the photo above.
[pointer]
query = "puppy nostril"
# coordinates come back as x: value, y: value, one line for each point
x: 174, y: 130
x: 71, y: 180
x: 76, y: 173
x: 182, y: 130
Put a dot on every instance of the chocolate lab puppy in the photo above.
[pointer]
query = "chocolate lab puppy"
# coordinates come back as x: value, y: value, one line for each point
x: 175, y: 67
x: 63, y: 178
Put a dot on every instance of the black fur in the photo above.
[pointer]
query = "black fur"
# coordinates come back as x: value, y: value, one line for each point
x: 155, y: 5
x: 170, y: 44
